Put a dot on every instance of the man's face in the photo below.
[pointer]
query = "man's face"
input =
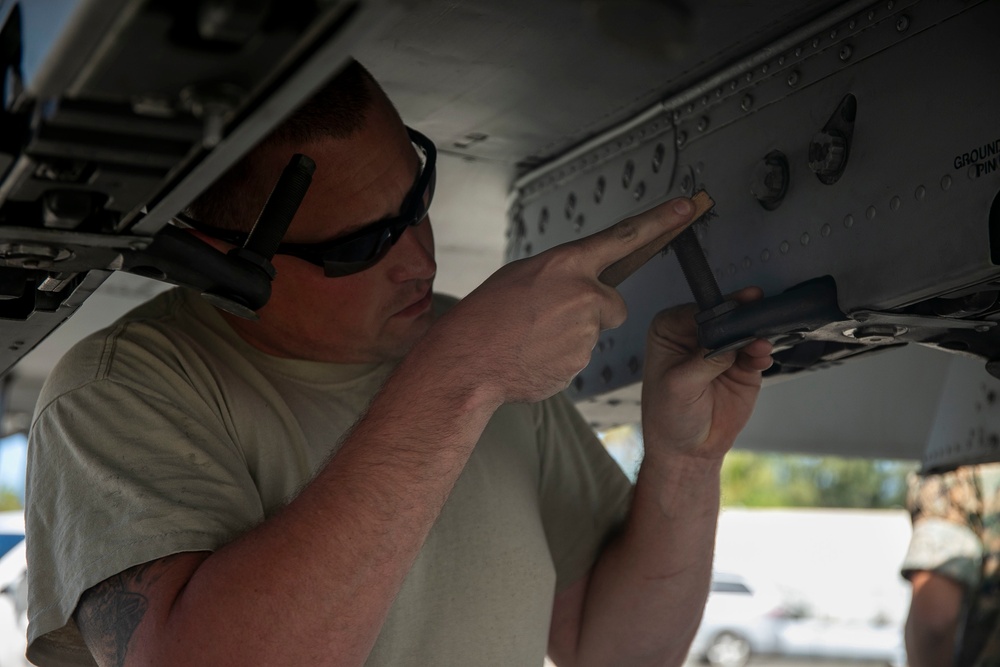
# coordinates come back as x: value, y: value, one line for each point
x: 365, y: 317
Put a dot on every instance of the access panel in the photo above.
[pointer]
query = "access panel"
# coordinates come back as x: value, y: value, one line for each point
x: 855, y: 166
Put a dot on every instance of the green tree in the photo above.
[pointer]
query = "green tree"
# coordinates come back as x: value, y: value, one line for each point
x: 750, y: 479
x: 9, y: 500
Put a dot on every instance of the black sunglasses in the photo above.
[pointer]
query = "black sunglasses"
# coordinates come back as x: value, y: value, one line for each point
x: 360, y: 249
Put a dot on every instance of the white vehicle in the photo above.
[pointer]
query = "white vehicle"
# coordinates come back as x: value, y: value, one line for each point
x: 844, y: 640
x: 740, y: 620
x: 13, y: 606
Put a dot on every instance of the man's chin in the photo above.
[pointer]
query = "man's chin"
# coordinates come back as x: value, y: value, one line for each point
x: 416, y: 330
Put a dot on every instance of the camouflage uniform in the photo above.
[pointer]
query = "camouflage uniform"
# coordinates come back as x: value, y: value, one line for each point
x: 956, y: 533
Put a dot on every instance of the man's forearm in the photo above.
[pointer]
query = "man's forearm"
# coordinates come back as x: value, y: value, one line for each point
x: 648, y: 590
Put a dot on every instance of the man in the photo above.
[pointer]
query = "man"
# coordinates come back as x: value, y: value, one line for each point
x: 953, y: 565
x: 360, y: 477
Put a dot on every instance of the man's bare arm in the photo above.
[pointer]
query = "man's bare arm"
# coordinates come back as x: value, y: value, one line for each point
x: 313, y: 584
x: 642, y: 602
x: 109, y: 613
x: 932, y: 623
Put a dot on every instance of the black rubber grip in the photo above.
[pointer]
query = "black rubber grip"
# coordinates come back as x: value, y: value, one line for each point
x: 800, y: 309
x: 284, y: 201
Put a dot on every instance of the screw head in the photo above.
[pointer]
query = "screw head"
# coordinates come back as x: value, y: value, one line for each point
x: 658, y: 156
x: 769, y: 180
x: 828, y: 155
x: 570, y: 205
x: 627, y: 174
x: 876, y: 334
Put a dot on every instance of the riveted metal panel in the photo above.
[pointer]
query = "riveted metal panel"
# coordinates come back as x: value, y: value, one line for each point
x: 907, y: 220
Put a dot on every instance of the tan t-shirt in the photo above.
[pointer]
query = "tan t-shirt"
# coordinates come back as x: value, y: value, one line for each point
x: 168, y: 433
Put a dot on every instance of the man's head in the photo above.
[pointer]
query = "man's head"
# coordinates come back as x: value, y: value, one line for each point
x: 336, y: 111
x: 366, y: 168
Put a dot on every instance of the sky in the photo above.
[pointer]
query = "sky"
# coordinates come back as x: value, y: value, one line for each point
x: 13, y: 456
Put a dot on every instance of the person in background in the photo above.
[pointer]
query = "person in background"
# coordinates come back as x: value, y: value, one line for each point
x: 953, y: 565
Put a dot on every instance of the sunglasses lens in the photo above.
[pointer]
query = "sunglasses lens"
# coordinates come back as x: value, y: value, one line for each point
x: 358, y: 253
x: 361, y: 249
x: 368, y: 246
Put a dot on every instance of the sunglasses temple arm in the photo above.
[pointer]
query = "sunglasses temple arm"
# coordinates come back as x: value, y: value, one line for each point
x: 238, y: 282
x: 277, y: 214
x: 253, y: 260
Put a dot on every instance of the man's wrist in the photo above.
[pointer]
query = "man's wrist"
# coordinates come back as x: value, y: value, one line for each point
x: 678, y: 482
x: 431, y: 374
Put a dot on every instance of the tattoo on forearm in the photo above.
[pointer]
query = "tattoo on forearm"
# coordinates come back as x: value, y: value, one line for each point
x: 109, y: 613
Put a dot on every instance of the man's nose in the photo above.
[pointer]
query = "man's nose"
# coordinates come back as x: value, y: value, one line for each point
x: 412, y: 256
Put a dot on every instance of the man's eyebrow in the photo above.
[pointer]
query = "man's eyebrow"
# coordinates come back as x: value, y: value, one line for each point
x: 353, y: 228
x: 390, y: 216
x: 362, y: 225
x: 421, y: 165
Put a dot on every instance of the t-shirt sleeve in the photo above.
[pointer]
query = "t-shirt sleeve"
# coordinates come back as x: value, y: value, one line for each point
x: 584, y: 494
x: 121, y: 475
x: 944, y: 508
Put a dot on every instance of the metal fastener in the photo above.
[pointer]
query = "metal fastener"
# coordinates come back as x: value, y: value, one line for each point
x: 570, y: 205
x: 658, y: 154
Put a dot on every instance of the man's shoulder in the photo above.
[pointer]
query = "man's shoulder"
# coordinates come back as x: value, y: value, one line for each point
x: 147, y: 332
x: 954, y: 495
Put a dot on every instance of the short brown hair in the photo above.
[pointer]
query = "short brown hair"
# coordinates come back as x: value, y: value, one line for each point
x: 337, y: 110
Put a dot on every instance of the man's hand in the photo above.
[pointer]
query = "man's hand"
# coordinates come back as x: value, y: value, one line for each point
x: 693, y: 405
x: 655, y: 573
x: 531, y: 327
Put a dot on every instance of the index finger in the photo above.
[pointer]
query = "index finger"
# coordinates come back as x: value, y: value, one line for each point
x: 642, y: 236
